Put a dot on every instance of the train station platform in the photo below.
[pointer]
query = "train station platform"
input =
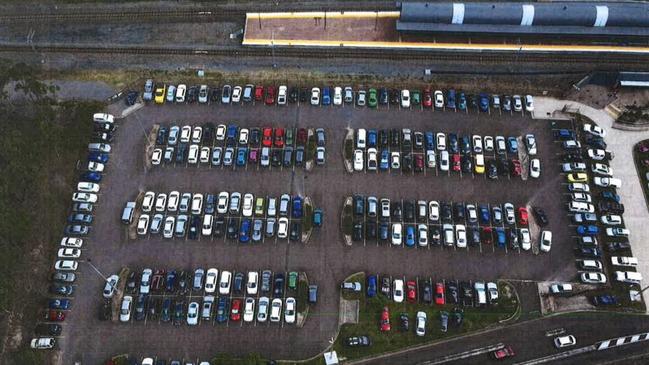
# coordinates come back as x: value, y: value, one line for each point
x: 377, y: 30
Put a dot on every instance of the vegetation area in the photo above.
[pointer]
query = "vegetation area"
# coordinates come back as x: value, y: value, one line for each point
x: 347, y: 220
x: 634, y: 114
x: 370, y: 313
x: 41, y: 142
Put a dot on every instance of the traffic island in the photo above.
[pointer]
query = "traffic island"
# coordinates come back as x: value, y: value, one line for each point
x: 302, y: 298
x: 150, y: 146
x: 348, y: 150
x: 310, y: 150
x: 346, y: 221
x: 307, y: 220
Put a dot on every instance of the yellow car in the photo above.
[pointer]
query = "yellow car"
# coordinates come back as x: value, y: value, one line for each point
x: 160, y: 94
x: 578, y: 178
x: 479, y: 163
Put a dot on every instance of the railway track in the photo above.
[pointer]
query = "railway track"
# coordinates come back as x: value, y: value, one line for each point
x: 615, y: 62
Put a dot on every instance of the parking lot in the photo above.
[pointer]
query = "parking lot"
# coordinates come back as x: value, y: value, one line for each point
x: 325, y: 259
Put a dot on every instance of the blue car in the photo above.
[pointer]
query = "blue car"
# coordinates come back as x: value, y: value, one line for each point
x: 450, y: 99
x: 564, y: 134
x: 385, y: 160
x: 384, y: 232
x: 512, y: 145
x: 410, y: 236
x: 484, y: 102
x: 171, y: 280
x: 318, y: 216
x: 297, y: 207
x: 500, y: 237
x: 611, y: 196
x: 222, y: 309
x: 485, y: 216
x: 371, y: 138
x: 452, y: 143
x: 326, y: 96
x: 371, y: 286
x: 98, y: 157
x: 587, y: 230
x: 462, y: 104
x: 430, y: 140
x: 90, y: 176
x: 244, y: 231
x: 165, y: 313
x: 242, y: 156
x: 231, y: 135
x: 60, y: 304
x: 605, y: 299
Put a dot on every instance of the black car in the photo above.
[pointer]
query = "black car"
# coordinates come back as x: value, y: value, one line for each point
x: 467, y: 293
x: 218, y: 226
x: 359, y: 205
x: 452, y: 143
x: 384, y: 99
x: 370, y: 230
x: 278, y: 286
x: 276, y: 157
x: 465, y: 145
x: 426, y: 292
x: 233, y: 228
x: 395, y: 138
x: 458, y: 211
x: 406, y: 162
x: 447, y: 212
x: 595, y: 141
x: 208, y: 134
x: 395, y: 97
x: 540, y: 215
x: 296, y: 231
x: 573, y: 157
x: 357, y: 232
x: 132, y: 282
x: 192, y: 94
x: 215, y: 94
x: 304, y: 95
x: 62, y: 289
x: 591, y: 252
x: 452, y: 293
x: 409, y: 210
x: 181, y: 152
x: 162, y: 135
x: 419, y: 141
x: 610, y: 207
x: 165, y: 313
x: 617, y: 246
x: 492, y: 169
x: 255, y: 137
x: 293, y: 94
x: 513, y: 239
x: 194, y: 227
x: 384, y: 231
x: 179, y: 313
x: 131, y: 97
x: 385, y: 286
x: 405, y: 322
x: 435, y: 235
x: 49, y: 329
x: 299, y: 156
x: 467, y: 165
x: 106, y: 137
x: 358, y: 341
x: 140, y: 308
x: 383, y: 138
x: 182, y: 282
x: 396, y: 211
x: 503, y: 167
x: 475, y: 236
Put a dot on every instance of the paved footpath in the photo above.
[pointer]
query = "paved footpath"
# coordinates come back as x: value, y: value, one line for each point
x: 620, y: 142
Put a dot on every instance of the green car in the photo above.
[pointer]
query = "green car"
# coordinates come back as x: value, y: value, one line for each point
x: 416, y: 97
x: 372, y: 100
x: 292, y: 280
x: 289, y: 136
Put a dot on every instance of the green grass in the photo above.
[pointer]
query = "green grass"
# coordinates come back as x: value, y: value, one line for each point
x: 347, y: 223
x: 302, y: 296
x: 311, y: 147
x: 307, y: 220
x: 349, y: 149
x: 371, y: 309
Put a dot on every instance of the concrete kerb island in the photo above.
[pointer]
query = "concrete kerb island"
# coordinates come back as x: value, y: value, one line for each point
x: 621, y: 143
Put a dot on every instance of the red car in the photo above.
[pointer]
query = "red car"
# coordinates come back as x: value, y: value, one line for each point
x: 427, y: 100
x: 259, y: 92
x: 55, y: 316
x: 439, y: 294
x: 385, y: 320
x: 270, y: 95
x: 455, y: 160
x: 301, y: 136
x: 267, y: 137
x: 235, y: 313
x: 419, y: 163
x: 487, y: 235
x: 522, y: 216
x: 515, y: 168
x: 411, y: 291
x: 503, y: 353
x: 279, y: 137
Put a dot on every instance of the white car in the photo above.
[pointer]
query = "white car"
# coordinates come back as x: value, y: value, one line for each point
x: 181, y: 91
x: 489, y: 143
x: 372, y: 160
x: 477, y: 143
x: 421, y: 324
x: 103, y: 118
x: 518, y: 103
x: 565, y: 341
x: 147, y: 201
x: 248, y: 205
x: 601, y: 169
x: 235, y: 202
x: 276, y: 310
x: 397, y: 290
x: 222, y: 202
x: 530, y: 142
x: 208, y: 221
x: 185, y: 134
x: 43, y: 343
x: 249, y: 310
x: 221, y: 131
x: 202, y: 94
x: 192, y: 314
x: 596, y: 154
x: 197, y: 134
x: 111, y: 286
x: 66, y: 265
x: 125, y: 310
x: 204, y: 155
x: 492, y: 290
x: 282, y: 228
x: 145, y: 281
x: 251, y: 285
x: 88, y: 187
x: 197, y: 204
x: 289, y: 310
x: 210, y: 280
x: 526, y: 241
x: 84, y: 198
x: 156, y: 157
x: 161, y: 202
x: 594, y: 130
x: 397, y: 233
x: 593, y: 278
x: 438, y: 96
x: 282, y: 91
x: 529, y: 103
x: 143, y: 224
x: 422, y: 234
x: 431, y: 161
x: 395, y: 160
x: 580, y: 207
x: 460, y: 235
x: 315, y: 97
x: 606, y: 182
x: 236, y: 94
x: 546, y: 241
x: 262, y: 309
x: 444, y: 161
x: 579, y: 187
x: 224, y: 284
x: 172, y: 201
x: 358, y: 160
x: 433, y: 210
x: 338, y: 95
x: 71, y: 242
x: 441, y: 141
x: 624, y: 261
x: 69, y: 253
x: 611, y: 220
x: 168, y: 228
x: 535, y: 168
x: 192, y: 155
x: 405, y: 98
x: 617, y: 232
x: 244, y: 133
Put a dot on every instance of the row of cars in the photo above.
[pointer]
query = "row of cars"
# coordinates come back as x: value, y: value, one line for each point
x: 405, y: 150
x: 596, y: 209
x: 79, y: 223
x: 233, y: 146
x: 420, y: 223
x: 372, y: 97
x: 233, y: 215
x: 228, y: 296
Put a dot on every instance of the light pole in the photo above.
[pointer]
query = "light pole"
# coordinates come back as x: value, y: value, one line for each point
x: 89, y: 262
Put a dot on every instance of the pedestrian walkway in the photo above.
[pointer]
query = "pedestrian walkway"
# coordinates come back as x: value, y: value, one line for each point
x: 621, y: 143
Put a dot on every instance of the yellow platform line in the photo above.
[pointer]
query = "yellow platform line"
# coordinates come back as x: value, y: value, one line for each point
x: 321, y: 14
x: 447, y: 46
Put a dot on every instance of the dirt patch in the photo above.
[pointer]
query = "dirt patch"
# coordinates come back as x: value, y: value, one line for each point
x: 349, y: 311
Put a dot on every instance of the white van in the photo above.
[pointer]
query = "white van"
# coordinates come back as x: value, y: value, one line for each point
x: 481, y: 294
x: 103, y: 118
x: 628, y: 277
x: 361, y: 138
